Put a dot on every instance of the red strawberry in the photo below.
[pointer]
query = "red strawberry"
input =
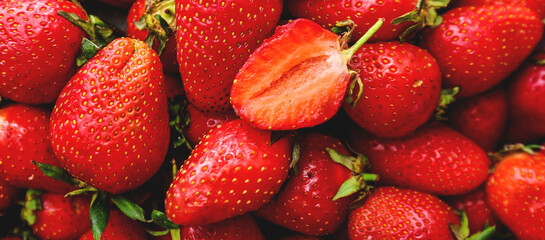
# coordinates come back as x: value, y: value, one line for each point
x: 8, y: 194
x: 477, y: 47
x: 173, y: 86
x: 295, y: 79
x: 434, y: 159
x: 515, y: 193
x: 393, y: 213
x: 300, y: 237
x: 233, y: 170
x: 214, y: 39
x: 240, y: 227
x: 200, y: 123
x: 120, y: 227
x: 62, y: 217
x: 537, y: 5
x: 38, y: 50
x: 481, y: 118
x: 24, y: 137
x: 401, y: 87
x: 476, y: 207
x: 110, y: 124
x: 307, y: 203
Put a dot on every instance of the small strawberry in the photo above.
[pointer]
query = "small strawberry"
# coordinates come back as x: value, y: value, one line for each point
x: 8, y: 194
x: 477, y: 47
x: 279, y: 90
x: 109, y: 127
x: 120, y: 227
x: 434, y: 159
x: 200, y: 123
x: 401, y: 87
x: 24, y: 137
x: 515, y: 193
x: 214, y: 40
x: 393, y: 213
x: 240, y: 227
x: 38, y: 49
x: 537, y: 5
x: 233, y: 170
x: 475, y: 205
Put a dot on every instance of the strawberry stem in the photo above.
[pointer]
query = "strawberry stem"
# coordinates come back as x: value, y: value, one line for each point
x: 348, y: 53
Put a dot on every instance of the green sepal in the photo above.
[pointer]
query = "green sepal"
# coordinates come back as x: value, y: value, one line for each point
x: 59, y: 174
x: 349, y: 187
x: 79, y: 191
x: 358, y: 181
x: 175, y: 234
x: 88, y: 51
x: 446, y: 98
x: 355, y: 81
x: 424, y: 15
x: 99, y: 213
x: 179, y: 119
x: 29, y: 235
x: 295, y: 157
x: 520, y: 147
x: 461, y: 232
x: 129, y: 208
x: 355, y: 164
x: 158, y: 233
x: 31, y: 204
x: 161, y: 219
x: 159, y: 20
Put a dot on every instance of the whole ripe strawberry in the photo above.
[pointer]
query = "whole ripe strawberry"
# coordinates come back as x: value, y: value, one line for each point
x: 240, y: 227
x: 537, y: 5
x: 515, y: 193
x: 481, y: 118
x: 39, y: 49
x: 306, y: 202
x: 477, y: 47
x: 401, y: 87
x: 62, y: 217
x: 8, y: 194
x: 214, y: 39
x: 434, y: 159
x: 200, y: 123
x: 235, y: 169
x: 110, y: 126
x: 476, y: 206
x: 394, y: 213
x: 120, y: 227
x: 24, y: 137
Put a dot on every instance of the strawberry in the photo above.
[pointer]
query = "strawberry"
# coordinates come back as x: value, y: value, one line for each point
x: 300, y: 237
x: 537, y: 5
x: 240, y: 227
x: 109, y: 124
x: 24, y: 137
x: 515, y: 193
x: 393, y: 213
x: 233, y: 170
x: 214, y: 39
x: 477, y: 47
x: 279, y: 90
x: 401, y: 86
x: 38, y: 50
x: 476, y: 206
x: 481, y: 118
x: 120, y: 227
x: 308, y: 202
x: 173, y: 86
x: 200, y: 123
x: 62, y: 217
x: 8, y: 194
x: 434, y: 159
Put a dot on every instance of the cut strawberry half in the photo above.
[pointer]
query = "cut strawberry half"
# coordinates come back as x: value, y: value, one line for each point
x: 297, y: 78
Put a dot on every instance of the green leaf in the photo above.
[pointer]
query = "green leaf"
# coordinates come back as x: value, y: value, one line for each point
x: 59, y: 174
x: 485, y: 234
x: 88, y: 51
x: 349, y: 187
x: 446, y: 98
x: 350, y: 162
x: 295, y: 156
x: 32, y: 204
x: 99, y: 213
x: 175, y: 234
x: 88, y: 189
x: 162, y: 220
x: 132, y: 210
x: 158, y: 233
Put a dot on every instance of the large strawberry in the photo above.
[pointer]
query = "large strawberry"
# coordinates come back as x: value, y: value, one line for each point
x: 537, y: 5
x: 214, y: 40
x: 240, y: 227
x: 477, y: 47
x: 434, y: 159
x: 110, y: 126
x: 233, y: 170
x: 24, y: 137
x: 120, y: 227
x: 475, y: 205
x: 515, y: 193
x: 393, y: 213
x: 401, y: 87
x: 38, y: 49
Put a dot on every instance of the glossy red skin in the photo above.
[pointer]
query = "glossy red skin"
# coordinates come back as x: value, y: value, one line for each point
x: 37, y: 58
x: 62, y: 217
x: 297, y: 78
x: 434, y: 159
x: 401, y: 87
x: 120, y: 227
x: 515, y: 193
x: 481, y: 118
x: 394, y: 213
x: 476, y: 207
x: 537, y: 5
x: 363, y: 13
x: 526, y: 96
x: 209, y: 62
x: 240, y: 227
x: 109, y: 131
x: 233, y: 170
x: 168, y: 56
x: 8, y: 194
x: 305, y: 203
x: 24, y: 137
x: 201, y: 123
x: 479, y: 55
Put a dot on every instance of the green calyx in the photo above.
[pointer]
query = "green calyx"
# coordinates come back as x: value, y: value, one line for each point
x: 446, y: 98
x: 159, y: 20
x: 179, y: 119
x: 424, y: 15
x: 461, y: 232
x: 31, y: 204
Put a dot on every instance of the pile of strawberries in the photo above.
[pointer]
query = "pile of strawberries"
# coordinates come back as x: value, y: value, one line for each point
x: 271, y: 119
